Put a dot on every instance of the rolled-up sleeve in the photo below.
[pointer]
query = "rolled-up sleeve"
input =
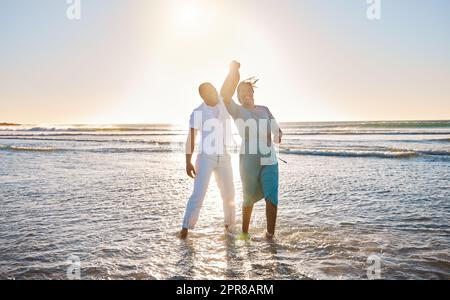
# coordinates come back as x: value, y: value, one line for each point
x: 195, y: 121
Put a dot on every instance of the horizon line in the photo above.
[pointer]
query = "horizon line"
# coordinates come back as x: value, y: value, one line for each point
x: 175, y: 123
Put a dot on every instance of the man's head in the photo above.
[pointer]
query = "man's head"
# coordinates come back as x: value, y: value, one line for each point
x: 209, y: 94
x: 246, y: 91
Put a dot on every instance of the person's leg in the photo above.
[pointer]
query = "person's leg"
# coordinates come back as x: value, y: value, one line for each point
x: 271, y: 216
x: 270, y: 182
x: 246, y: 217
x: 224, y: 178
x: 204, y: 170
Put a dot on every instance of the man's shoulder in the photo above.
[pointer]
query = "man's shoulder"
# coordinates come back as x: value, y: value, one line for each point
x: 199, y: 108
x: 222, y: 102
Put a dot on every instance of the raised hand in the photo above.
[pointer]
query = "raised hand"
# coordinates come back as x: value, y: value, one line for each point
x: 235, y: 65
x: 231, y: 82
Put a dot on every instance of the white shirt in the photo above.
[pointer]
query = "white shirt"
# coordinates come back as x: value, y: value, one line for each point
x: 214, y: 124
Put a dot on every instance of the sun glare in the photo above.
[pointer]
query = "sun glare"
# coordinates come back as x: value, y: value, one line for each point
x: 187, y: 14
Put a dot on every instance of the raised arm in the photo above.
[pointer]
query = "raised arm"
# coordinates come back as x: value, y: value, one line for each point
x: 231, y: 83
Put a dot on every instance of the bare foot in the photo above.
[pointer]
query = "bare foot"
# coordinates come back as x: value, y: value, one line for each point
x: 229, y: 230
x: 270, y: 236
x: 184, y: 233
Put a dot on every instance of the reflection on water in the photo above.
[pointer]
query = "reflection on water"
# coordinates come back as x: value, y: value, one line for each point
x: 257, y: 258
x: 186, y: 264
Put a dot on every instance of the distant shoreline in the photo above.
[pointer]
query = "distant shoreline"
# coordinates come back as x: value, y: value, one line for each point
x: 9, y: 124
x: 285, y: 123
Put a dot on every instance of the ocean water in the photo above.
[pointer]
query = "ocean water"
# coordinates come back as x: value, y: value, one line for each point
x: 114, y: 197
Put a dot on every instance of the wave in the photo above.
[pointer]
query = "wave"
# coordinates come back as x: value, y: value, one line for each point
x: 28, y: 149
x: 370, y: 124
x: 381, y: 153
x: 438, y: 140
x: 441, y: 140
x: 352, y: 153
x: 435, y: 153
x: 155, y: 147
x: 178, y: 132
x: 131, y: 150
x: 112, y: 128
x: 90, y: 150
x: 311, y: 127
x: 372, y: 132
x: 125, y: 141
x: 89, y: 134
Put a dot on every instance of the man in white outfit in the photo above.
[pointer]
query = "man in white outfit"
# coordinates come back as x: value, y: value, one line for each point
x: 214, y: 123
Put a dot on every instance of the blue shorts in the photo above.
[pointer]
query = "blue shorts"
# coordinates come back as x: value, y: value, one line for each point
x: 258, y: 182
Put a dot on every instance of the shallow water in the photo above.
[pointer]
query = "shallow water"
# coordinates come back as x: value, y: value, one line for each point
x: 115, y: 198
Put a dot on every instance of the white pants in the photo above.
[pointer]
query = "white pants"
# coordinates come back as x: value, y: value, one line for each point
x: 220, y: 165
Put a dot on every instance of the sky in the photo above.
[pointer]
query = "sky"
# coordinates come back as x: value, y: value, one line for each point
x: 141, y: 61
